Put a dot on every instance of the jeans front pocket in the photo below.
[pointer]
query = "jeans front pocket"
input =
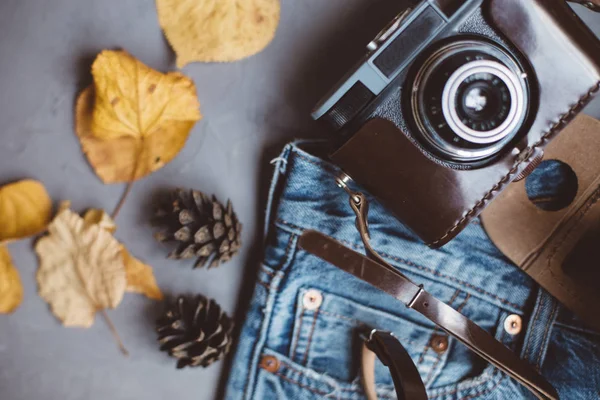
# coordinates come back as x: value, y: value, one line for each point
x: 324, y: 353
x: 280, y: 378
x: 326, y: 336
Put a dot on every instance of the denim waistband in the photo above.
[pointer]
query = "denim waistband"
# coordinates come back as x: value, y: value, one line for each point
x: 306, y: 197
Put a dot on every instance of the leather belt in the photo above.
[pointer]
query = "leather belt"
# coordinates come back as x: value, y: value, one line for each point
x: 376, y: 271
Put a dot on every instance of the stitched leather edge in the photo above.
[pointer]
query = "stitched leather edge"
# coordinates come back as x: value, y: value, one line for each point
x: 564, y: 118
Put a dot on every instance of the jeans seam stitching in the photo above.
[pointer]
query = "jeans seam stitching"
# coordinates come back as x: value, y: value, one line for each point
x: 263, y: 284
x: 464, y: 303
x: 290, y: 380
x: 301, y: 318
x: 548, y: 325
x: 310, y: 336
x: 488, y: 378
x: 577, y: 329
x: 261, y: 339
x: 532, y: 327
x: 431, y: 371
x: 486, y: 391
x: 271, y: 274
x: 288, y: 250
x: 250, y: 384
x: 291, y: 368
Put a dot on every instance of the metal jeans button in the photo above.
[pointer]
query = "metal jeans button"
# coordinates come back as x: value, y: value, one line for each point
x: 270, y: 363
x: 513, y: 324
x: 312, y: 299
x: 439, y: 343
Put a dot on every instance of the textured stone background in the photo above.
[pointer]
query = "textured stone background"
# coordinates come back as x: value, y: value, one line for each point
x: 251, y: 109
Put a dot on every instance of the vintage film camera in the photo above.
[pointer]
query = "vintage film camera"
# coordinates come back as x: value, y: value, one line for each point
x: 455, y: 99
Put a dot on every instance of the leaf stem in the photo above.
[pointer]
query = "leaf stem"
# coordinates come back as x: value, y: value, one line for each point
x: 113, y: 330
x: 122, y: 200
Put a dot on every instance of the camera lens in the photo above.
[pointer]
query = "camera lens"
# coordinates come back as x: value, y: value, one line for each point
x: 469, y: 99
x: 482, y: 102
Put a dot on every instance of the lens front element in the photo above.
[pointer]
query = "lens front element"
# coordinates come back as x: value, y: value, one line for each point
x: 469, y: 99
x: 483, y: 101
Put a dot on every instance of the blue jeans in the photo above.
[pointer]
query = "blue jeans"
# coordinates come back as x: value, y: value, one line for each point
x: 300, y: 339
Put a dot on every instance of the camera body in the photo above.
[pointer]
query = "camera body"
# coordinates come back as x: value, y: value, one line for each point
x: 455, y: 99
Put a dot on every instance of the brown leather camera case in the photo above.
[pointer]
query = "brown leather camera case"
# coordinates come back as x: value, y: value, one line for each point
x: 435, y: 201
x: 559, y: 249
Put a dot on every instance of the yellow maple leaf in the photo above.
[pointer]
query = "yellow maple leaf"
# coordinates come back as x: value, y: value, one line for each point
x: 225, y: 30
x: 25, y: 210
x: 133, y: 119
x: 11, y: 289
x: 140, y: 277
x: 81, y: 269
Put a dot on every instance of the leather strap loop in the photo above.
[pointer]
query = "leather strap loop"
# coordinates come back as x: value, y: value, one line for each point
x: 406, y: 377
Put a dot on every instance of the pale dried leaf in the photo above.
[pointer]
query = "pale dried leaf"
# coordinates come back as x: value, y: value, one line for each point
x: 11, y: 289
x: 140, y: 277
x: 225, y: 30
x: 81, y: 269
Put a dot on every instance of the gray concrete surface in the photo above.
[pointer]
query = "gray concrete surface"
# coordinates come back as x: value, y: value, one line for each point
x: 251, y: 109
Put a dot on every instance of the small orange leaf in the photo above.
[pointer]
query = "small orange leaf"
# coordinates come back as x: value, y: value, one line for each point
x: 140, y: 277
x: 11, y: 289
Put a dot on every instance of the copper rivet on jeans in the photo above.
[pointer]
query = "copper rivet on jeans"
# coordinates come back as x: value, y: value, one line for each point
x: 312, y: 299
x: 513, y: 324
x: 269, y: 363
x: 439, y: 343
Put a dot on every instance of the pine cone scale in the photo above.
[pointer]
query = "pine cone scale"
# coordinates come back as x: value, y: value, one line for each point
x: 203, y: 235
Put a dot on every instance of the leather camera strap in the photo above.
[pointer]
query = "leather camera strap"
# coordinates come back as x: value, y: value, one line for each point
x: 376, y: 271
x: 414, y: 296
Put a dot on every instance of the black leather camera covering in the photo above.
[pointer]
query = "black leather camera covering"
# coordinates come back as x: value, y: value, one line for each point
x: 437, y: 201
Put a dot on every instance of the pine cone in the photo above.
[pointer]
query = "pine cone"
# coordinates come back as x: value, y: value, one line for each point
x: 202, y: 227
x: 195, y: 331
